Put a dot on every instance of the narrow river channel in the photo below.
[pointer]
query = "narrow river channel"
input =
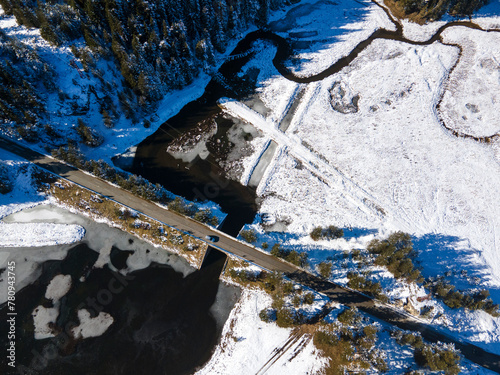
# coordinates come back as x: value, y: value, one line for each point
x: 203, y: 177
x: 165, y: 319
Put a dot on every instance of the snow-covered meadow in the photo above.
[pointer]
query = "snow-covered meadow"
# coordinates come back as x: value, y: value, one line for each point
x: 248, y: 345
x: 389, y: 165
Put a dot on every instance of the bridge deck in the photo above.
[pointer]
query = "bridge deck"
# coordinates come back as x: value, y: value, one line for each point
x: 250, y: 253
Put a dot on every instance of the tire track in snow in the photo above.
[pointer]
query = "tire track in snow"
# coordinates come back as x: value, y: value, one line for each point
x: 327, y: 173
x: 293, y: 340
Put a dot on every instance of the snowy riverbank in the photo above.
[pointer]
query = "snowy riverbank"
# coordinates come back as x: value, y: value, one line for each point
x: 365, y: 151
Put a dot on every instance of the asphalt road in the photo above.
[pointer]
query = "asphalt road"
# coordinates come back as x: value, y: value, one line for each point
x: 247, y: 252
x: 387, y: 313
x: 185, y: 224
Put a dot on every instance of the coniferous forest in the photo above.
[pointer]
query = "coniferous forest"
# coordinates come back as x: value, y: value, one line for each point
x: 157, y: 45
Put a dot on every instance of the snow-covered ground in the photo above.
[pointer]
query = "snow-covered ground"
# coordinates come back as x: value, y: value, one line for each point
x: 487, y: 16
x: 328, y: 30
x: 19, y: 173
x: 471, y: 101
x: 250, y: 346
x: 389, y: 165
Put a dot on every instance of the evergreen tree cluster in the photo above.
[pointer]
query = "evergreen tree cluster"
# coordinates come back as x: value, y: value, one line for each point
x: 397, y: 254
x: 434, y: 357
x: 361, y: 283
x: 23, y: 75
x: 478, y: 300
x: 292, y: 256
x: 325, y: 269
x: 434, y: 9
x: 281, y: 291
x: 350, y: 346
x: 158, y: 45
x: 6, y: 185
x: 329, y: 233
x: 249, y: 235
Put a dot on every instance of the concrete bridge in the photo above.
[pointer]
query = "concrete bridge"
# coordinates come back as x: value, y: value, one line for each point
x: 242, y: 250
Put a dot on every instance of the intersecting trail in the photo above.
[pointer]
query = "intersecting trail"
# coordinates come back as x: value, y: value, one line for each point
x: 247, y: 252
x: 358, y: 196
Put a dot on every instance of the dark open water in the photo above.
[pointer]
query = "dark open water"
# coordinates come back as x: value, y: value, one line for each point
x: 163, y: 321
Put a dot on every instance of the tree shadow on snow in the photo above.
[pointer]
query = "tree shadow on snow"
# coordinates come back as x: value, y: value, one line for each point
x: 455, y: 258
x: 300, y: 24
x: 319, y: 251
x: 350, y: 233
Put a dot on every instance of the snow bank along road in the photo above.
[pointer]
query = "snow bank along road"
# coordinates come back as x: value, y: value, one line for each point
x: 249, y: 253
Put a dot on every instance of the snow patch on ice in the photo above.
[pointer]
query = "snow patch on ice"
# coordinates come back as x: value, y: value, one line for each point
x: 58, y: 287
x: 92, y: 327
x: 42, y: 318
x: 39, y: 234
